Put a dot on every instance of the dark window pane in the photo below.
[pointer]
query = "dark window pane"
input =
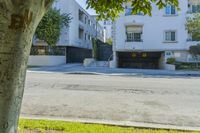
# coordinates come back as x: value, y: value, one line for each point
x: 173, y: 10
x: 173, y: 36
x: 137, y: 36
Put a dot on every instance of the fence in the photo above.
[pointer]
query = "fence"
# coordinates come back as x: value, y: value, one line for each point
x: 48, y: 50
x: 104, y: 51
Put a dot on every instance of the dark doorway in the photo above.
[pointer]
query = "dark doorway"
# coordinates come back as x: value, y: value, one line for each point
x: 140, y: 60
x: 77, y: 55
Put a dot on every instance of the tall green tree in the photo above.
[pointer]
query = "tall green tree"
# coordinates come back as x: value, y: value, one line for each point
x: 110, y: 9
x: 109, y: 41
x: 193, y: 26
x: 49, y: 28
x: 18, y: 22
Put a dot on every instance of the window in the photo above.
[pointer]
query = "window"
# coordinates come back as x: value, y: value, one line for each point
x: 134, y: 33
x: 168, y: 53
x: 128, y: 11
x: 170, y: 36
x: 195, y: 8
x: 104, y: 22
x: 170, y: 10
x: 89, y: 37
x: 85, y: 36
x: 85, y: 20
x: 81, y: 34
x: 133, y: 37
x: 81, y: 16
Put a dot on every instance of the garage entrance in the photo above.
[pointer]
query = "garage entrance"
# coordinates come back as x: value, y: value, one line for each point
x: 140, y: 60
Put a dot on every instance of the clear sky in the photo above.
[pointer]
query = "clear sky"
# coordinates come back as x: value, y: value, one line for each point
x: 83, y: 4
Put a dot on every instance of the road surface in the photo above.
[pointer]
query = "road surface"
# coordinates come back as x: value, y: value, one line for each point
x: 165, y: 101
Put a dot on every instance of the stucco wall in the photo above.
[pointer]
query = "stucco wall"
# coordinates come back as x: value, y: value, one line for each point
x: 46, y: 60
x: 181, y: 56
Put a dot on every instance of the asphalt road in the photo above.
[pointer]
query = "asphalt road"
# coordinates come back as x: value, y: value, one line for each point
x: 167, y: 101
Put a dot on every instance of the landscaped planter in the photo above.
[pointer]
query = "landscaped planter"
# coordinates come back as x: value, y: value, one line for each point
x: 90, y: 62
x: 169, y: 67
x: 46, y: 60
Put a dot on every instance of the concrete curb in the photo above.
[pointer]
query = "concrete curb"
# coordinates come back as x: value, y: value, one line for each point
x: 88, y: 73
x: 119, y: 74
x: 116, y: 123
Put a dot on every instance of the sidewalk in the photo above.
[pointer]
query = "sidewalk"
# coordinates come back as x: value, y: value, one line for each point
x: 79, y: 69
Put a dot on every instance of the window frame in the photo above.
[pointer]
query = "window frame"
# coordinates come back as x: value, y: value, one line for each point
x: 171, y: 40
x: 195, y: 8
x: 131, y: 37
x: 169, y: 13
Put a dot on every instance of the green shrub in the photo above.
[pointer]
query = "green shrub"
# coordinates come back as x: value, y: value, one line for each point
x: 171, y: 61
x: 187, y: 66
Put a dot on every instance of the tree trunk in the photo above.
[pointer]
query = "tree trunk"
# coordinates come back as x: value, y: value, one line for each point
x: 18, y: 21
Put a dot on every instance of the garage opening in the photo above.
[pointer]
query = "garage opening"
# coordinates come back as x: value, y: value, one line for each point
x: 139, y: 60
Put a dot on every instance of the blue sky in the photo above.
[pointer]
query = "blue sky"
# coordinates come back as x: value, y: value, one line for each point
x: 83, y: 4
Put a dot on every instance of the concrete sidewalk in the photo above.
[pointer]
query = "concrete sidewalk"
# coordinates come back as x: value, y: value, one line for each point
x: 80, y: 69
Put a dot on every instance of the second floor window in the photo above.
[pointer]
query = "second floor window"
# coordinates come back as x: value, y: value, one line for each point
x: 170, y: 10
x: 133, y: 37
x: 170, y: 36
x: 134, y: 33
x: 128, y: 11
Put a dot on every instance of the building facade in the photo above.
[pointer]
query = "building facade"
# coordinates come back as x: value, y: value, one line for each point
x: 142, y: 41
x: 83, y: 26
x: 77, y: 38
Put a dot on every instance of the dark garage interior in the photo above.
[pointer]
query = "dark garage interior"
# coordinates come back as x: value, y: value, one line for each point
x: 139, y: 60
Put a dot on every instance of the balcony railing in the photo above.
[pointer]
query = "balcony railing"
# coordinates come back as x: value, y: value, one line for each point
x: 48, y: 50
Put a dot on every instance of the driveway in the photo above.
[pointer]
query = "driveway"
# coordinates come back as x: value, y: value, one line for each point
x: 173, y: 102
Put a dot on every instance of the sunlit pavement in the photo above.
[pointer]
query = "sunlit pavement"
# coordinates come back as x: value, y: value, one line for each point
x: 79, y: 69
x: 103, y: 98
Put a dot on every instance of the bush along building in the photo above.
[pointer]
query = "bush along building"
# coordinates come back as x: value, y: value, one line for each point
x: 149, y: 42
x: 77, y: 37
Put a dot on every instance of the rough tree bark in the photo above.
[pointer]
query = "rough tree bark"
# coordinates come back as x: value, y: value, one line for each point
x: 18, y: 21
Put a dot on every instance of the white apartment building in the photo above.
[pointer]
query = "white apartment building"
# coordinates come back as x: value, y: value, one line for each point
x: 83, y: 26
x: 142, y: 41
x: 77, y: 38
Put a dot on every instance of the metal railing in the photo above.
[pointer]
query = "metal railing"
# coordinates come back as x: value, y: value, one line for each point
x: 48, y: 50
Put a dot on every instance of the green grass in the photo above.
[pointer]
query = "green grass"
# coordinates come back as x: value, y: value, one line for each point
x: 46, y: 126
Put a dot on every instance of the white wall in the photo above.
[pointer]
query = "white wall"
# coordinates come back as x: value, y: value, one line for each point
x: 44, y: 60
